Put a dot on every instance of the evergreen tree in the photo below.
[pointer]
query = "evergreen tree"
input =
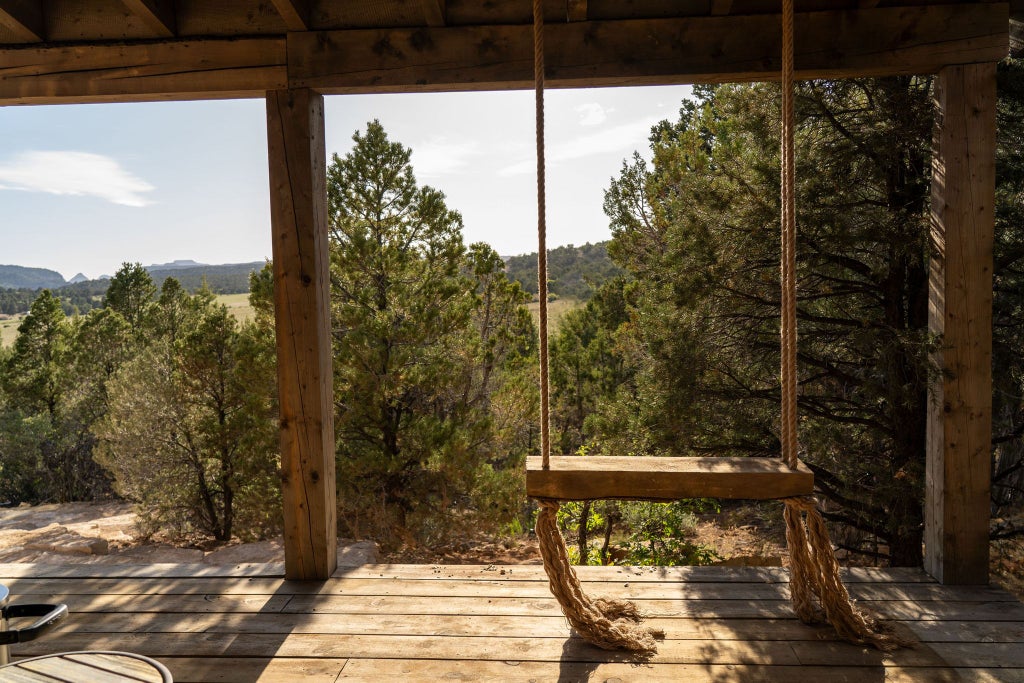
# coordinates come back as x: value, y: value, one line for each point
x: 409, y: 339
x: 699, y: 232
x: 191, y: 434
x: 130, y: 292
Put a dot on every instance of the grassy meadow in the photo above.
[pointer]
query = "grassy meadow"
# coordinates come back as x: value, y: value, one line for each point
x: 238, y: 306
x: 9, y: 329
x: 556, y: 311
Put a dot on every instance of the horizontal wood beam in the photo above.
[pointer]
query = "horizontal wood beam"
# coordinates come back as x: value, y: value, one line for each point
x: 884, y: 41
x: 23, y: 18
x: 836, y: 44
x: 295, y: 13
x: 188, y: 69
x: 157, y: 15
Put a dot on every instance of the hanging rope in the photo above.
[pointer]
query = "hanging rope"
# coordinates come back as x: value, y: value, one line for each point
x: 542, y: 232
x: 611, y: 624
x: 817, y: 592
x: 816, y: 589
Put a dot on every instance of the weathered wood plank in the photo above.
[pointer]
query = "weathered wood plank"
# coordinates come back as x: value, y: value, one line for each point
x: 676, y: 628
x: 339, y: 646
x: 157, y: 15
x: 23, y: 18
x: 665, y: 479
x: 518, y: 572
x: 405, y: 669
x: 832, y: 44
x: 919, y: 592
x: 146, y: 71
x: 295, y: 13
x: 298, y: 207
x: 250, y: 669
x: 960, y: 310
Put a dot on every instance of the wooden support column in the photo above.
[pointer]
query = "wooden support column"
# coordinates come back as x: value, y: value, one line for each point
x: 960, y: 310
x: 298, y: 206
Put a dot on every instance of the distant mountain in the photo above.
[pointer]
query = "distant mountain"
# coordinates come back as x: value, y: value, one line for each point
x: 179, y: 264
x: 230, y: 278
x: 20, y: 277
x: 81, y: 294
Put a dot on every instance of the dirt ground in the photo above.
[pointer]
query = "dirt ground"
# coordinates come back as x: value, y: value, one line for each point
x: 106, y: 533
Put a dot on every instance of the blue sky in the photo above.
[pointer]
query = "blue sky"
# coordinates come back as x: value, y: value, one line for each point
x: 84, y: 188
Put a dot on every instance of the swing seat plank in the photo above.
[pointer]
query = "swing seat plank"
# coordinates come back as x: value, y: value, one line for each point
x: 573, y: 477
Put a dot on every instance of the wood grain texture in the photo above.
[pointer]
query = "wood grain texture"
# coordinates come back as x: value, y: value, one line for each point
x: 24, y: 19
x: 158, y: 15
x: 665, y: 479
x: 680, y: 50
x: 298, y: 206
x: 144, y: 71
x: 960, y: 311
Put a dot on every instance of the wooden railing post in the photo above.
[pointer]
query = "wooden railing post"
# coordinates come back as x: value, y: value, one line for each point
x: 960, y: 310
x: 298, y: 205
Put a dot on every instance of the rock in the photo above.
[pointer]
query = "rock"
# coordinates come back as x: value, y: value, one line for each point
x: 58, y: 539
x: 356, y: 553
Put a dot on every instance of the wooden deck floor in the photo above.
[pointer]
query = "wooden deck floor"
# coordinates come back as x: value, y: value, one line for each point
x: 418, y: 622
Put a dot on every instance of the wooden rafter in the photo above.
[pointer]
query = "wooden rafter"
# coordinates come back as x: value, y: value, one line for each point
x: 295, y: 13
x: 23, y: 18
x: 157, y: 15
x: 434, y: 12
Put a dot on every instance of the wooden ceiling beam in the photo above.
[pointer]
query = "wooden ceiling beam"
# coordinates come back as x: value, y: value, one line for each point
x: 836, y: 44
x: 296, y: 13
x: 24, y: 18
x: 435, y: 12
x: 882, y: 41
x: 169, y: 70
x: 157, y: 15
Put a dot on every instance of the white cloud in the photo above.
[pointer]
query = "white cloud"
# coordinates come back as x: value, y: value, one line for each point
x: 74, y: 173
x: 439, y: 156
x: 592, y: 114
x: 628, y: 136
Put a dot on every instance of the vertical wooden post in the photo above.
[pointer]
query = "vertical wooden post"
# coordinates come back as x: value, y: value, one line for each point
x: 960, y: 309
x: 298, y: 206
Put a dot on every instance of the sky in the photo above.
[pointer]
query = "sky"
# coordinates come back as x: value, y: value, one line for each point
x: 84, y: 188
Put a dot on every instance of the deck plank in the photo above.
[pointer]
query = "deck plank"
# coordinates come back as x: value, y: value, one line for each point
x: 394, y: 622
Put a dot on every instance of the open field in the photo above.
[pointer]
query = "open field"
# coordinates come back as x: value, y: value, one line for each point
x: 9, y: 329
x: 238, y: 306
x: 556, y: 311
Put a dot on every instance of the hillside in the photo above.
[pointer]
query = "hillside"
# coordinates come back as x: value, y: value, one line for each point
x: 20, y: 277
x: 572, y: 271
x: 84, y: 295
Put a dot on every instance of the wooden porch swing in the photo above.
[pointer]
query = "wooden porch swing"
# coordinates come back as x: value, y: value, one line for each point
x: 817, y: 592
